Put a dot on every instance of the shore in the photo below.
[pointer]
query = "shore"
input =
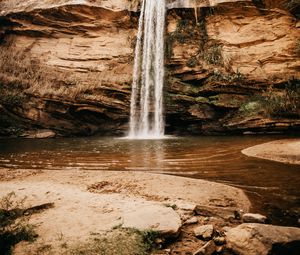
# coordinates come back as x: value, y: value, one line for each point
x: 88, y: 202
x: 284, y: 151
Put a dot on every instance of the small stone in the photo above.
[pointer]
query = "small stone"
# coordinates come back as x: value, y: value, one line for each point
x: 208, y: 249
x: 220, y: 240
x: 205, y: 231
x: 254, y: 218
x: 192, y: 220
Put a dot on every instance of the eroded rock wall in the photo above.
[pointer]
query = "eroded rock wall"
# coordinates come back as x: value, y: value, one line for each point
x: 67, y: 66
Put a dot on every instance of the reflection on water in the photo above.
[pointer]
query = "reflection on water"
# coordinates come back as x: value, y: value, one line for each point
x: 270, y: 184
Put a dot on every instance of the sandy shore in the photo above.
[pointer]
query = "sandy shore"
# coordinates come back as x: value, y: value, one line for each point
x: 284, y: 151
x: 88, y: 202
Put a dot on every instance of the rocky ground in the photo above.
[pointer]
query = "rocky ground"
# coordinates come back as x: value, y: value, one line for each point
x: 190, y: 216
x: 285, y: 151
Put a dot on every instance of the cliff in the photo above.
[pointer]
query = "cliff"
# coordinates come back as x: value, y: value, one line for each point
x: 231, y: 66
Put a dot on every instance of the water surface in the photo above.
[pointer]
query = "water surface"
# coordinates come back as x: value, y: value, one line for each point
x: 273, y: 187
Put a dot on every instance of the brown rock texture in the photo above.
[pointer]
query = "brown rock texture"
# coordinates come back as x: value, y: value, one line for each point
x: 231, y: 66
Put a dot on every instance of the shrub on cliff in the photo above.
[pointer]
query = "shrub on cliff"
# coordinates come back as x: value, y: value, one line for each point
x: 22, y: 74
x: 285, y: 102
x: 275, y: 102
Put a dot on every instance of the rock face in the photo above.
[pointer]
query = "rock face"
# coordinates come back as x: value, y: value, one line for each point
x: 66, y: 66
x: 260, y: 239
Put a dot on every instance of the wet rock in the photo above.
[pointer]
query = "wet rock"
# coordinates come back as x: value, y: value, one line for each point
x: 254, y: 218
x: 41, y: 134
x: 155, y: 217
x: 208, y: 249
x: 192, y: 220
x: 253, y: 239
x: 205, y: 231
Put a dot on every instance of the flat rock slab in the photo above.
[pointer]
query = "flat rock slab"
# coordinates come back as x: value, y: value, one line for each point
x: 155, y: 217
x: 261, y: 239
x: 284, y: 151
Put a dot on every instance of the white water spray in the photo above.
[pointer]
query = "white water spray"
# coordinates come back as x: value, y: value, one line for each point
x: 146, y: 109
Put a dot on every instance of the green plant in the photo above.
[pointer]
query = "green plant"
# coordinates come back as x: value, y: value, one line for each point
x: 183, y: 32
x: 275, y: 102
x: 14, y: 226
x: 173, y: 206
x: 192, y: 61
x: 213, y: 54
x: 250, y: 107
x: 149, y: 238
x: 285, y: 102
x: 293, y: 6
x: 11, y: 98
x: 233, y: 77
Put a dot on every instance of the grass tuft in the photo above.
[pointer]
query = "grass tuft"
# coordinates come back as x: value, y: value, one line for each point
x: 121, y: 241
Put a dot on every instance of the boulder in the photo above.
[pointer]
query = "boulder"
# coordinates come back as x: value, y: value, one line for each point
x: 261, y: 239
x: 254, y: 218
x: 154, y: 217
x: 205, y: 231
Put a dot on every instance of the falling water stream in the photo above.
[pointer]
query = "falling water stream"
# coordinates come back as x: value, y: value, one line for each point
x: 146, y: 109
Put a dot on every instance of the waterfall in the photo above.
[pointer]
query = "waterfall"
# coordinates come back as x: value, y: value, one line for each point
x: 146, y: 108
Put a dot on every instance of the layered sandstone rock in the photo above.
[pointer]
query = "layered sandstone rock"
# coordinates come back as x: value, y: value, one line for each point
x: 219, y: 60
